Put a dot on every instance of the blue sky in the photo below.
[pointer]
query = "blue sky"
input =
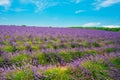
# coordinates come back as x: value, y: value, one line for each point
x: 60, y: 13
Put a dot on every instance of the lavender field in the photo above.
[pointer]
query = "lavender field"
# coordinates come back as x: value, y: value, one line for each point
x: 39, y: 53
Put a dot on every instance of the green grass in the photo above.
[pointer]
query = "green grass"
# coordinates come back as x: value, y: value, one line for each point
x: 78, y: 54
x: 95, y: 44
x: 1, y: 59
x: 97, y: 69
x: 8, y: 48
x: 45, y: 58
x: 19, y: 42
x: 108, y: 50
x: 49, y: 46
x: 20, y: 75
x: 67, y: 56
x: 21, y: 47
x: 116, y: 62
x: 41, y: 58
x: 5, y: 42
x: 35, y: 47
x: 86, y: 44
x: 92, y: 52
x: 7, y: 36
x: 98, y: 28
x: 20, y: 58
x: 52, y: 58
x: 58, y: 73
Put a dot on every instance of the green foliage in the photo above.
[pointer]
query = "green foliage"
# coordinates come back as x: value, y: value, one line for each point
x: 20, y: 58
x: 101, y: 51
x: 5, y: 43
x: 26, y: 74
x: 23, y: 26
x: 86, y: 44
x: 79, y: 54
x: 35, y: 47
x: 109, y: 42
x: 49, y: 46
x: 108, y: 50
x: 52, y: 58
x: 116, y: 62
x: 45, y: 58
x: 107, y: 29
x: 21, y: 47
x: 41, y: 58
x: 61, y: 73
x: 19, y: 42
x: 97, y: 69
x: 79, y: 75
x: 95, y: 44
x: 1, y: 59
x: 8, y: 48
x: 92, y: 52
x: 100, y: 28
x: 7, y: 36
x: 118, y: 49
x: 67, y: 56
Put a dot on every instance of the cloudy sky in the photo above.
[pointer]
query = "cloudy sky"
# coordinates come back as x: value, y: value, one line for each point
x: 61, y: 13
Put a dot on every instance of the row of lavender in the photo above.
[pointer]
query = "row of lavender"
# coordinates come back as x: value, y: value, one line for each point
x: 32, y: 53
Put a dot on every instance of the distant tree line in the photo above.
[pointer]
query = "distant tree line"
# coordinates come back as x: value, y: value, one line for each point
x: 100, y: 28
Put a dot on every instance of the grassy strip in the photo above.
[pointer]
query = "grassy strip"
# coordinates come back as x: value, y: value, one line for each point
x: 100, y: 28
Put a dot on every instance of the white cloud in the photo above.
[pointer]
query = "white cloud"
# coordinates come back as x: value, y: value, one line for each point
x: 98, y: 24
x: 43, y: 4
x: 77, y: 1
x: 79, y: 11
x: 92, y: 24
x: 105, y: 3
x: 111, y: 26
x: 5, y: 3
